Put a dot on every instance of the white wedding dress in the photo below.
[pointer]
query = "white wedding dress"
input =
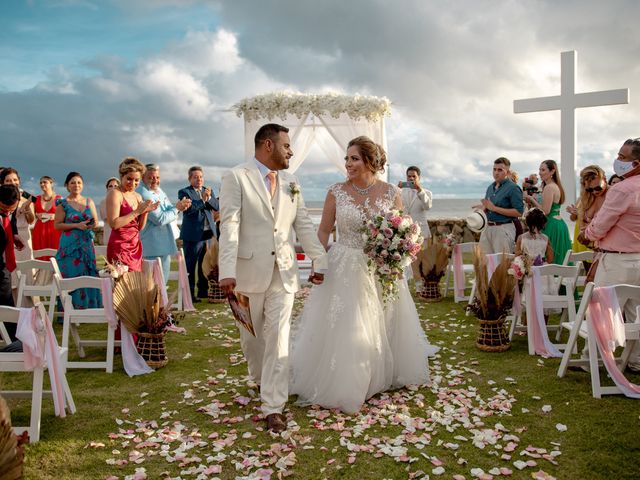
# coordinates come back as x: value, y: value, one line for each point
x: 345, y: 347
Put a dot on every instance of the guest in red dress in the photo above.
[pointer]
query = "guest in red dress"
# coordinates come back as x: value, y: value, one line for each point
x: 127, y: 215
x: 44, y: 235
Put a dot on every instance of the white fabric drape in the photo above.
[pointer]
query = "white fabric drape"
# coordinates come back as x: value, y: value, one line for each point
x: 332, y: 136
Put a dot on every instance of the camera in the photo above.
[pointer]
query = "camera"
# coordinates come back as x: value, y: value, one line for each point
x: 530, y: 187
x: 29, y: 196
x: 408, y: 185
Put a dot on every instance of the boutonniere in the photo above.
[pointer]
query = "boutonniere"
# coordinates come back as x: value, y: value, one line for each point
x: 294, y: 189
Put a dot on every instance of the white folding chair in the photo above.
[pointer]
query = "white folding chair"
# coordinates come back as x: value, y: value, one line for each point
x: 74, y: 317
x: 44, y: 252
x: 35, y: 279
x: 576, y: 328
x: 15, y: 362
x: 467, y: 247
x: 175, y: 275
x: 577, y: 258
x: 100, y: 250
x: 553, y: 276
x: 583, y: 327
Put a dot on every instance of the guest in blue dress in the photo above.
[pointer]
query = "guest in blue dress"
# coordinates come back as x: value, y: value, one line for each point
x: 76, y: 217
x: 158, y: 239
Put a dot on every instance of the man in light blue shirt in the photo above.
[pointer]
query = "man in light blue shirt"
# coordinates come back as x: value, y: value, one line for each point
x: 158, y: 240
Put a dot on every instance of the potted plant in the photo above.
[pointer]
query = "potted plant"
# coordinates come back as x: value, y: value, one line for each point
x: 138, y: 304
x: 434, y: 259
x: 493, y: 300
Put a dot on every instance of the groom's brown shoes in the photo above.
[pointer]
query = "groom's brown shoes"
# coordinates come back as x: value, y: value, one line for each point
x: 276, y: 422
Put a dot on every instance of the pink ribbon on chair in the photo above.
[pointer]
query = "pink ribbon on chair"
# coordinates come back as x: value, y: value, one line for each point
x: 107, y: 302
x: 55, y: 369
x: 158, y: 277
x: 458, y: 271
x: 606, y: 321
x: 183, y: 284
x: 535, y: 318
x: 492, y: 263
x: 40, y: 349
x: 32, y: 342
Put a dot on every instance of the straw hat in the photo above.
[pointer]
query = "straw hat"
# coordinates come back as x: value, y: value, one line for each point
x: 477, y: 221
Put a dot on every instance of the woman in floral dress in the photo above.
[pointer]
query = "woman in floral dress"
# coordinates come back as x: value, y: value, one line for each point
x: 75, y: 218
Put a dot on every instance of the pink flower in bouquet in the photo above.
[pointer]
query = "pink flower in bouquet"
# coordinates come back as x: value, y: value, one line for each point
x: 386, y: 243
x: 396, y: 221
x: 397, y: 257
x: 387, y: 232
x: 384, y: 253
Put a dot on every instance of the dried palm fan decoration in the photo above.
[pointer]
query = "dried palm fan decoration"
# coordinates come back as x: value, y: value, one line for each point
x: 493, y: 300
x: 11, y: 446
x: 433, y: 258
x: 138, y: 303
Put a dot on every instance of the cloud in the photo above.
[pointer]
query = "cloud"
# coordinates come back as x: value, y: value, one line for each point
x: 451, y: 70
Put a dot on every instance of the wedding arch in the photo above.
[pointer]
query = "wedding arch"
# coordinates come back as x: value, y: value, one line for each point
x: 326, y: 120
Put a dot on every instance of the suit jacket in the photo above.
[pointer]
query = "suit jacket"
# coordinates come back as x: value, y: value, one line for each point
x: 416, y: 205
x: 157, y: 235
x: 255, y: 235
x: 193, y: 217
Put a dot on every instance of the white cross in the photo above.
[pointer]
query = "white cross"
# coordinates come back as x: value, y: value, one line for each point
x: 567, y: 102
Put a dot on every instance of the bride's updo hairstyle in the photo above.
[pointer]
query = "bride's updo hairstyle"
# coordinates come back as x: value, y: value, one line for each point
x: 129, y: 165
x: 373, y: 155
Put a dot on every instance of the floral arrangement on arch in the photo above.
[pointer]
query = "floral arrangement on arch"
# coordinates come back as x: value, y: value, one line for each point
x: 392, y: 242
x: 282, y: 104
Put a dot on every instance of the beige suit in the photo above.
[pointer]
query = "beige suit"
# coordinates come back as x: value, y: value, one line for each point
x: 416, y: 204
x: 257, y: 249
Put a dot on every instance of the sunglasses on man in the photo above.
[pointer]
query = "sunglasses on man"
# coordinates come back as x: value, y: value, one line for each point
x: 594, y: 189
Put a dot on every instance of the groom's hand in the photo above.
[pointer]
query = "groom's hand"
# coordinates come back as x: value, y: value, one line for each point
x: 228, y: 285
x: 316, y: 278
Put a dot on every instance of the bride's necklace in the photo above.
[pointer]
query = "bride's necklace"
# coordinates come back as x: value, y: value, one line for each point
x: 363, y: 191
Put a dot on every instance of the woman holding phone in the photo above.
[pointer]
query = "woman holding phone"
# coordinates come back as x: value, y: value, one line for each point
x: 75, y: 218
x: 127, y: 216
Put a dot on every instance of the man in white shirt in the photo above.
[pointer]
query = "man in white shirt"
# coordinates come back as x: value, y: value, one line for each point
x: 416, y: 200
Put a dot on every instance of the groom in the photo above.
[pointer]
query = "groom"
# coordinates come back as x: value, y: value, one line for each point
x: 261, y: 208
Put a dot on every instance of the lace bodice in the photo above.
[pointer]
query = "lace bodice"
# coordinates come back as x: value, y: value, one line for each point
x: 352, y: 213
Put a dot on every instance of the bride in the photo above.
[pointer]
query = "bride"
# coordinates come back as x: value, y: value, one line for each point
x: 347, y: 347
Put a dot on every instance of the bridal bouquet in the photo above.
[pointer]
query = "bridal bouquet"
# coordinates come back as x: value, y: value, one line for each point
x: 392, y: 242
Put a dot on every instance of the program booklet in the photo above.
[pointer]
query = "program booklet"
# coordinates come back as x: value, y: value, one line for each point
x: 241, y: 312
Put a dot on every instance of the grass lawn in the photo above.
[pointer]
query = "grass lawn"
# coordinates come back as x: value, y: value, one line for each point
x: 484, y: 414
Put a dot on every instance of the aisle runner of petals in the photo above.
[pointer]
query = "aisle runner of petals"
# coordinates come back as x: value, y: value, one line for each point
x: 405, y: 425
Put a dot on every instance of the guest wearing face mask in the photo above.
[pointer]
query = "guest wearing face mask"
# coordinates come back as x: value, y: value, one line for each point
x: 615, y: 229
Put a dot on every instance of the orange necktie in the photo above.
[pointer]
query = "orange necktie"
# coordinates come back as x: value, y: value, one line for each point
x: 272, y: 185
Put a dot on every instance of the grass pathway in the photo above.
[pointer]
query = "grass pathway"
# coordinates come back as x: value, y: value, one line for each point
x: 484, y: 416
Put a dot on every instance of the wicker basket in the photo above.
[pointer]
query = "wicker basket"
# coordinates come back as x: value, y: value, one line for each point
x: 493, y: 336
x: 216, y: 295
x: 151, y: 347
x: 11, y: 448
x: 430, y: 291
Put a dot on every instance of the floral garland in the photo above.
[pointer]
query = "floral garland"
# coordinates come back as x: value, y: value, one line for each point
x: 282, y: 104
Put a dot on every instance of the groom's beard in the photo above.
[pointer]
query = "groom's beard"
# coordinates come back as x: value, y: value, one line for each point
x: 280, y: 160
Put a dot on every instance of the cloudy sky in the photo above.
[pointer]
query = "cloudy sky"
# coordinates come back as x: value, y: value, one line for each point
x: 84, y: 83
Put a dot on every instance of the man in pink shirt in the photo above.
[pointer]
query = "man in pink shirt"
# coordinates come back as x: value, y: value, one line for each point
x: 616, y: 231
